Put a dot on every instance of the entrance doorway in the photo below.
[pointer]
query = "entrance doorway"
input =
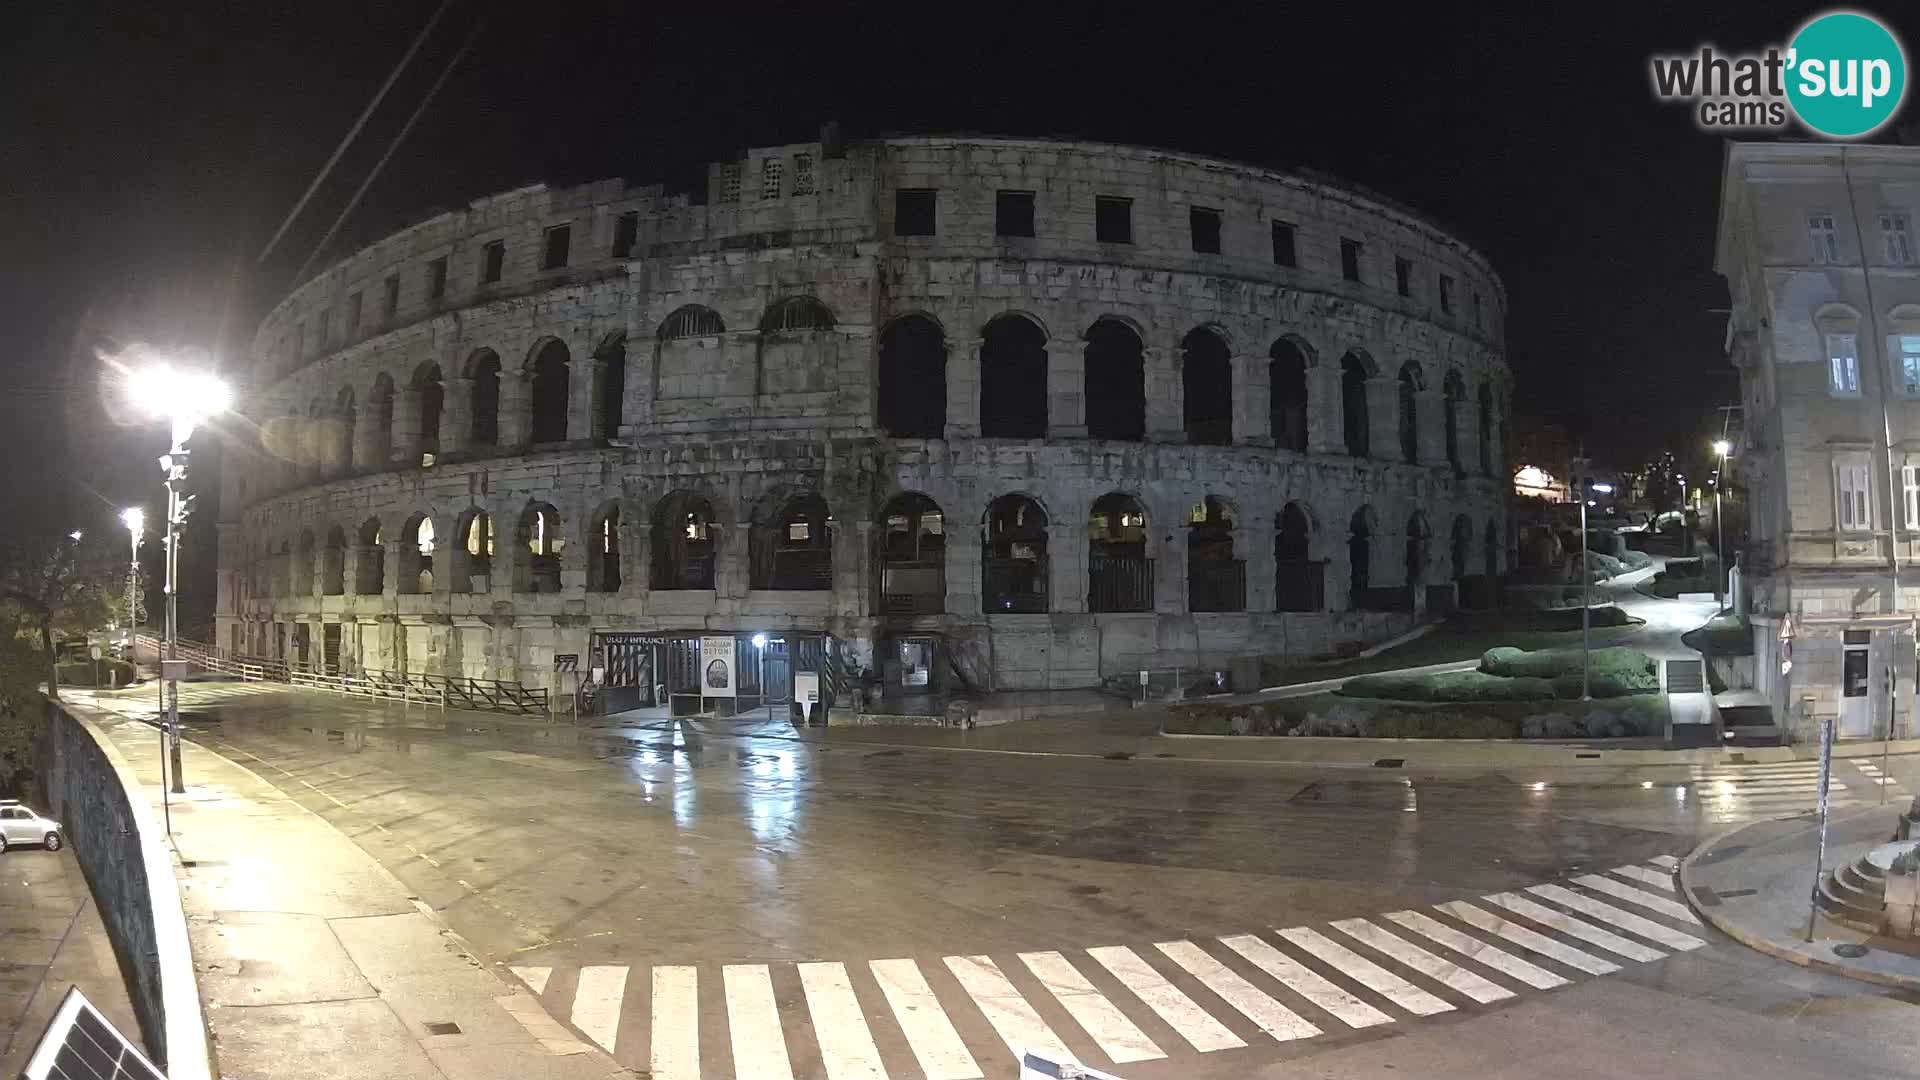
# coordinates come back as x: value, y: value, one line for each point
x: 1856, y: 682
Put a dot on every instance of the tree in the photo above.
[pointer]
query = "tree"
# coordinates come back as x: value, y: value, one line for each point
x: 55, y: 581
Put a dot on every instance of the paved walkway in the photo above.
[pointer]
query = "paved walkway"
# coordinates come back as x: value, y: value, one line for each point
x: 314, y: 960
x: 51, y: 938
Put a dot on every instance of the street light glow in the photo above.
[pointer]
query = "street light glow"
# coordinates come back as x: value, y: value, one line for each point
x: 75, y: 535
x: 1722, y: 447
x: 134, y: 518
x: 759, y: 641
x: 1604, y: 489
x: 183, y: 397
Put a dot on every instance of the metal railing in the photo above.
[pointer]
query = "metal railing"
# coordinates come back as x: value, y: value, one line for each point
x: 1217, y: 585
x: 1119, y: 583
x: 447, y: 691
x: 1300, y: 586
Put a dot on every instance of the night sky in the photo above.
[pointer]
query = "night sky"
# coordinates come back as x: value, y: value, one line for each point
x: 151, y: 149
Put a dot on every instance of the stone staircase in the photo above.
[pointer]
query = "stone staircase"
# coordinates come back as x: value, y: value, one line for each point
x: 1856, y: 894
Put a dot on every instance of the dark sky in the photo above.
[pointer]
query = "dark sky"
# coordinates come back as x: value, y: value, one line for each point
x: 150, y: 150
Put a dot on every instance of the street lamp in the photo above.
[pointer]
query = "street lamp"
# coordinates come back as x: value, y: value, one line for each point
x: 1722, y: 448
x: 184, y: 399
x: 135, y: 519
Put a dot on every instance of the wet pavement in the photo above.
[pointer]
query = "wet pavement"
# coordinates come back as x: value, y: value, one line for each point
x: 51, y: 938
x: 729, y: 862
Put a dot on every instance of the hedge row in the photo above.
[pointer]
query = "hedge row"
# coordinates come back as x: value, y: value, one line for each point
x: 1642, y: 715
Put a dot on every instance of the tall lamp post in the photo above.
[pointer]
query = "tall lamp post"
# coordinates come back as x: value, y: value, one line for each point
x: 1722, y: 448
x: 184, y: 399
x: 135, y: 519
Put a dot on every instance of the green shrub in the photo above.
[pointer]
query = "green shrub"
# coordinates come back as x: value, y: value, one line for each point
x: 1442, y: 724
x: 1631, y: 669
x: 81, y: 672
x: 1450, y: 686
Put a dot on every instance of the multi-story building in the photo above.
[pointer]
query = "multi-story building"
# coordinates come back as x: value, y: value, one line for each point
x: 1816, y: 242
x: 1000, y: 413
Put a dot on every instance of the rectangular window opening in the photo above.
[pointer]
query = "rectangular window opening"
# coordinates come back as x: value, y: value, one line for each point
x: 1283, y: 252
x: 730, y: 183
x: 1446, y: 294
x: 390, y: 303
x: 1350, y: 259
x: 1823, y: 238
x: 1204, y: 224
x: 626, y: 231
x: 1854, y: 484
x: 355, y: 304
x: 770, y: 171
x: 1013, y: 213
x: 1402, y: 276
x: 914, y: 212
x: 559, y: 244
x: 1112, y: 220
x: 1907, y: 348
x: 803, y: 174
x: 1897, y: 230
x: 437, y: 278
x: 493, y: 262
x: 1843, y: 365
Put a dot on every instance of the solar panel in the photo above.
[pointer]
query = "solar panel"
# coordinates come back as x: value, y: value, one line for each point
x: 81, y: 1044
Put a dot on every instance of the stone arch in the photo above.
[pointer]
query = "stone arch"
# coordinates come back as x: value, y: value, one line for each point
x: 1461, y: 546
x: 911, y: 556
x: 538, y: 540
x: 612, y: 373
x: 303, y: 556
x: 370, y: 559
x: 912, y: 397
x: 1120, y: 575
x: 685, y: 541
x: 795, y: 314
x: 473, y: 550
x: 1013, y: 378
x: 1355, y: 369
x: 547, y: 399
x: 333, y: 563
x: 1206, y: 381
x: 1454, y: 393
x: 1299, y: 582
x: 1485, y: 423
x: 340, y: 453
x: 1418, y: 535
x: 603, y: 548
x: 691, y: 321
x: 431, y: 393
x: 1015, y: 569
x: 417, y: 540
x: 1216, y: 580
x: 1115, y: 380
x: 379, y: 420
x: 791, y: 548
x: 1288, y: 398
x: 483, y: 367
x: 1411, y: 383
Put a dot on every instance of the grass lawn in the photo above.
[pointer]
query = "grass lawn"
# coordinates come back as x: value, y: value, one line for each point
x: 1450, y: 641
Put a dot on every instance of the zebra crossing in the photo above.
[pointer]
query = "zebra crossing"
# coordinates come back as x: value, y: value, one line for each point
x: 1784, y: 788
x: 968, y: 1017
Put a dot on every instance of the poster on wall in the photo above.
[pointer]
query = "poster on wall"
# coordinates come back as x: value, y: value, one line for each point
x: 716, y: 667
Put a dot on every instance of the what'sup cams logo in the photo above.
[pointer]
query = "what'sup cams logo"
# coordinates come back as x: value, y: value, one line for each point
x: 1843, y: 75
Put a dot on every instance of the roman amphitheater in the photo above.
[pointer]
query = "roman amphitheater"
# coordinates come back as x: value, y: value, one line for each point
x: 968, y: 414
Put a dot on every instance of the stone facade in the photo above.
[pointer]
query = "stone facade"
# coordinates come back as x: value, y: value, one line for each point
x: 1817, y: 245
x: 677, y: 380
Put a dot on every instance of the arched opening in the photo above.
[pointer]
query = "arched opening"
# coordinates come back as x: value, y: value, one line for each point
x: 1456, y: 395
x: 547, y: 406
x: 691, y: 321
x: 684, y: 543
x: 1115, y: 382
x: 416, y: 556
x: 913, y: 379
x: 283, y: 570
x: 613, y: 388
x: 303, y: 564
x: 1299, y: 583
x: 913, y: 556
x: 1359, y: 559
x: 1409, y: 412
x: 796, y: 313
x: 1491, y: 539
x: 1206, y: 379
x: 1119, y: 574
x: 1287, y: 395
x: 1015, y: 570
x: 473, y: 553
x: 603, y: 554
x: 370, y: 560
x: 1216, y: 581
x: 333, y: 563
x: 484, y: 370
x: 379, y: 421
x: 793, y: 549
x: 1013, y: 379
x: 339, y: 455
x: 1354, y: 373
x: 538, y: 542
x: 1485, y: 424
x: 427, y: 384
x: 1417, y: 536
x: 1461, y: 547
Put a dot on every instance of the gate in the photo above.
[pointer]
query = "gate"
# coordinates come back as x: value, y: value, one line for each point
x: 630, y: 664
x: 330, y: 648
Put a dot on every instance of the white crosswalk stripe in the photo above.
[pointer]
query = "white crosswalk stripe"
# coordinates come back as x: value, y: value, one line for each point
x: 1659, y: 879
x: 1667, y: 861
x: 1116, y: 1004
x: 1117, y: 1036
x: 1193, y: 1023
x: 1527, y: 939
x: 1622, y: 891
x: 1625, y: 920
x: 1413, y: 956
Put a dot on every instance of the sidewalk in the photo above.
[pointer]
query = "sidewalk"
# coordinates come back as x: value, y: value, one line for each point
x: 314, y: 960
x: 52, y: 939
x: 1755, y: 884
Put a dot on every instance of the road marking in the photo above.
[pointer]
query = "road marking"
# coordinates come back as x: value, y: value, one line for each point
x: 1625, y: 920
x: 1306, y: 982
x: 1641, y: 897
x: 1655, y: 878
x: 596, y: 1003
x: 839, y: 1024
x: 1019, y: 1026
x: 1119, y: 1039
x: 535, y: 977
x: 1527, y: 939
x: 1366, y: 972
x: 1576, y: 928
x: 753, y: 1021
x: 676, y: 1024
x: 1667, y: 861
x: 1444, y: 972
x: 1192, y: 1022
x: 1273, y: 1018
x: 1473, y: 948
x: 936, y: 1046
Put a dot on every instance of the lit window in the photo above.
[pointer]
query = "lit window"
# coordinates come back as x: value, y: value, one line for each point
x: 1897, y: 231
x: 797, y: 530
x: 730, y: 183
x: 606, y: 536
x: 1823, y: 239
x: 1853, y: 481
x: 423, y: 536
x: 1843, y: 366
x: 770, y: 178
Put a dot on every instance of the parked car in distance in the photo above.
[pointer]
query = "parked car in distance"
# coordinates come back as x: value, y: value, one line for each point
x: 20, y: 826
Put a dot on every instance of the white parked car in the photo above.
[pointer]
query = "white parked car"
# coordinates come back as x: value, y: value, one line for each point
x: 20, y: 826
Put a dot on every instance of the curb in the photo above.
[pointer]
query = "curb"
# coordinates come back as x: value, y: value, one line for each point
x: 1768, y: 946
